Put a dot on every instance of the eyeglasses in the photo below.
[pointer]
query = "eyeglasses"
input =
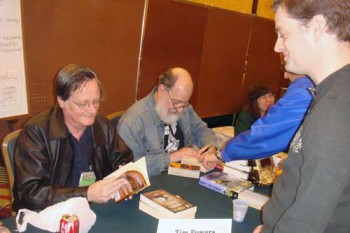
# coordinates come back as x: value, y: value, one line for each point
x: 84, y: 105
x: 267, y: 96
x: 180, y: 105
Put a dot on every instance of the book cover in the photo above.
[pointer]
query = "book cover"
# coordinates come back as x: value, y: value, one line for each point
x: 136, y: 174
x: 167, y: 203
x: 194, y: 161
x: 159, y: 215
x: 183, y: 169
x: 224, y: 183
x: 254, y: 199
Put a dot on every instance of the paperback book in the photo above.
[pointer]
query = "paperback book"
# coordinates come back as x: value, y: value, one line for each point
x: 183, y: 169
x: 226, y: 184
x: 239, y: 171
x: 162, y: 204
x: 254, y: 199
x: 136, y: 174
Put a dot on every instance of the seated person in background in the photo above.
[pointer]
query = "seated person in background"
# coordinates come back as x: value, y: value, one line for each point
x: 273, y: 133
x: 163, y: 126
x: 67, y: 142
x: 259, y: 99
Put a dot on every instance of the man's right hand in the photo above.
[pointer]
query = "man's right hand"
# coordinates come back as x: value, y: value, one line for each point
x: 104, y: 190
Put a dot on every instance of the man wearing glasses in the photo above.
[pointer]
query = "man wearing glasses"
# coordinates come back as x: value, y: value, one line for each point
x: 163, y: 126
x: 61, y: 152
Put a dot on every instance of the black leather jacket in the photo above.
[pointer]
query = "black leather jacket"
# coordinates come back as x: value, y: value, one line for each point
x: 44, y: 159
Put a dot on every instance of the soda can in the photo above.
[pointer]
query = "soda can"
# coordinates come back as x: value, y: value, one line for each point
x: 69, y: 224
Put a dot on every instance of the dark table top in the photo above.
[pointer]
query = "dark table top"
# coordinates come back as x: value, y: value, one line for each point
x: 126, y: 216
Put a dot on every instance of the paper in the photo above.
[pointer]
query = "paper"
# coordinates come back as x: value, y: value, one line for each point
x: 194, y: 225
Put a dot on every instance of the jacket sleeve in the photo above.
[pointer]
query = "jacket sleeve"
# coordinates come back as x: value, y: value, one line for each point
x: 32, y: 187
x: 271, y: 134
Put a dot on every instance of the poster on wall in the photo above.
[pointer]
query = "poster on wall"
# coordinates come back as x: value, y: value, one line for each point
x: 13, y: 93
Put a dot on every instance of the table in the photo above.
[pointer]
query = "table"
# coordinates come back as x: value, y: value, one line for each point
x: 126, y: 217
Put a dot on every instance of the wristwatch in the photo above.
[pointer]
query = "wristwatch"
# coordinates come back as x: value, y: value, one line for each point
x: 218, y: 155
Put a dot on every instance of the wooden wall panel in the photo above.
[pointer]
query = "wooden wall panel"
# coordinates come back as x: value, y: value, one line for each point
x: 103, y: 35
x: 263, y: 64
x: 222, y: 63
x: 174, y: 37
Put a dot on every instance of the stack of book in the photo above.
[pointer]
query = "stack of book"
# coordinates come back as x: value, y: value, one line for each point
x: 254, y: 200
x: 161, y: 204
x: 226, y: 184
x: 238, y: 168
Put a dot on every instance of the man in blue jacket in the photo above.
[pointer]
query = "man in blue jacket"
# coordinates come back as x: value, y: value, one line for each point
x: 270, y: 134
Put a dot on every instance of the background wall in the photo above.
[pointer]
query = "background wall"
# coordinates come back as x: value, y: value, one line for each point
x: 129, y: 43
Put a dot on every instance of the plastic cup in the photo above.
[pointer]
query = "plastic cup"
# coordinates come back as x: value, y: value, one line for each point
x: 240, y: 208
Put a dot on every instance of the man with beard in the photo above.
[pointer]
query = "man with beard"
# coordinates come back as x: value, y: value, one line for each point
x: 163, y: 126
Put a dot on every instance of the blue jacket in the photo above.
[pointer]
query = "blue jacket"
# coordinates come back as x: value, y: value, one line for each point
x: 143, y: 131
x: 272, y: 134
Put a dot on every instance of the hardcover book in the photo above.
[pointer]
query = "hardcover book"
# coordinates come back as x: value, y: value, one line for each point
x: 167, y: 204
x: 183, y: 169
x: 224, y: 183
x: 136, y: 174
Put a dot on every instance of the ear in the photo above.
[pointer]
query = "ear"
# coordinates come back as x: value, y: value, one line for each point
x: 161, y: 89
x: 61, y: 102
x: 318, y: 25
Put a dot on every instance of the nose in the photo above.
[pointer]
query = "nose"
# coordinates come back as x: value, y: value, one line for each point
x: 278, y: 45
x: 92, y: 109
x: 180, y: 109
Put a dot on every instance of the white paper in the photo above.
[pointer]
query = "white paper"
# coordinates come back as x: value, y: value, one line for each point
x: 194, y: 225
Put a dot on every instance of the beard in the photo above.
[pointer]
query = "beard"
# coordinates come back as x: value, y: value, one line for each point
x: 168, y: 116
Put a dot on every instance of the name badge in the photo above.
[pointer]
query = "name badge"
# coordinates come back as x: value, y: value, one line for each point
x: 87, y: 178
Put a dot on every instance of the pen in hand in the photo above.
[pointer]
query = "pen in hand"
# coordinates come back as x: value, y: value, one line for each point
x: 206, y: 150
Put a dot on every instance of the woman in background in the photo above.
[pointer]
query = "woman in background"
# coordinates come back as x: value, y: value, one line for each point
x: 259, y: 99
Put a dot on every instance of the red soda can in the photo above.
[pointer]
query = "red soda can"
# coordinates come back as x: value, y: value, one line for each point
x: 69, y: 224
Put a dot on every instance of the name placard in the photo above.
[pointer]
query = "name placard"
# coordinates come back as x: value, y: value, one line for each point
x: 194, y: 225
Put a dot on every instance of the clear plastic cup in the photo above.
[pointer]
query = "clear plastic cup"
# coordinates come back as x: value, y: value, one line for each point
x: 240, y: 208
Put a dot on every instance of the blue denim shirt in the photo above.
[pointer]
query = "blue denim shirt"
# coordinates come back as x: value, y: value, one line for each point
x: 143, y: 131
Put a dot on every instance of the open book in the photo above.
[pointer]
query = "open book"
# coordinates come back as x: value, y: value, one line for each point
x: 136, y: 174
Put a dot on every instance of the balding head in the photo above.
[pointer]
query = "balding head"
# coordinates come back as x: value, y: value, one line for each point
x: 174, y: 91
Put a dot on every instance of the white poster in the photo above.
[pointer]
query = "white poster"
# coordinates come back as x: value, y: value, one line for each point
x: 13, y: 93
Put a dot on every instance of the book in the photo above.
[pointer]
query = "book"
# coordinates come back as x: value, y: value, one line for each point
x: 254, y: 199
x: 166, y: 204
x: 236, y: 173
x: 194, y: 161
x: 226, y: 184
x: 136, y: 174
x: 237, y: 162
x: 183, y: 169
x: 239, y: 167
x: 159, y: 215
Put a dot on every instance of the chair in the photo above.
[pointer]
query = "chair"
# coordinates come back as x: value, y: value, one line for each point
x: 114, y: 117
x: 8, y: 149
